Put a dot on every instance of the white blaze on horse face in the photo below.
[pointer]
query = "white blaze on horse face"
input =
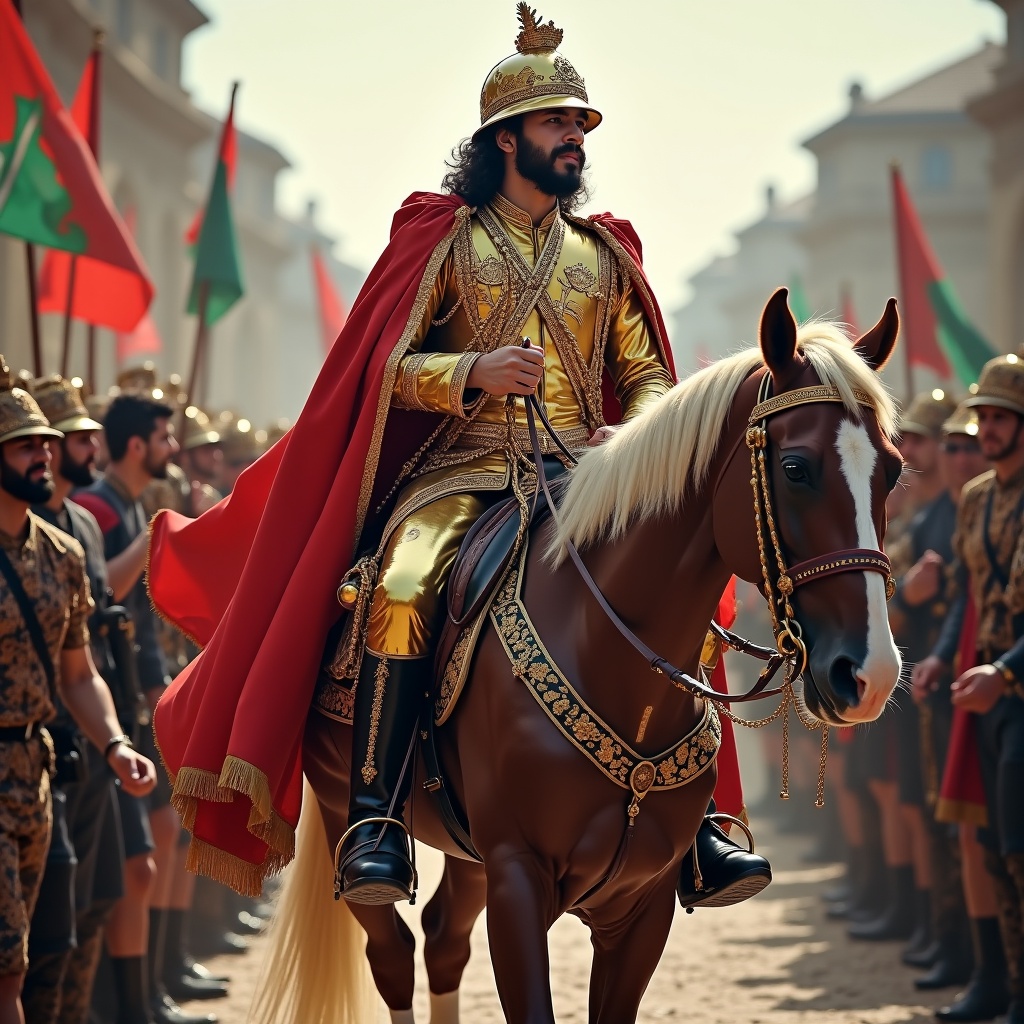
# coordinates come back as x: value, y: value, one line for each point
x: 881, y: 669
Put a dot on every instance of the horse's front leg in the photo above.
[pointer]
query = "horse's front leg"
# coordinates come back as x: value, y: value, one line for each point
x: 628, y: 940
x: 520, y: 909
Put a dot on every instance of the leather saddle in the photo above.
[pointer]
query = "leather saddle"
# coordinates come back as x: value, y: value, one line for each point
x: 484, y: 556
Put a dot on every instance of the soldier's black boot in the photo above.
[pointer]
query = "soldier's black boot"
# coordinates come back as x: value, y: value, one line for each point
x: 716, y: 872
x: 375, y: 860
x: 987, y: 994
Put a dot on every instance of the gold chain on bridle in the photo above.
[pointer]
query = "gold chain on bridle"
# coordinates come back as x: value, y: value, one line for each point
x: 787, y: 630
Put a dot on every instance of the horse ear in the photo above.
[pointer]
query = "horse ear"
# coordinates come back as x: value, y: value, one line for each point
x: 778, y: 334
x: 877, y: 345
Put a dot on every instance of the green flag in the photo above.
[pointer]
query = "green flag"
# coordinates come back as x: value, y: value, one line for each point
x: 217, y: 265
x: 798, y: 303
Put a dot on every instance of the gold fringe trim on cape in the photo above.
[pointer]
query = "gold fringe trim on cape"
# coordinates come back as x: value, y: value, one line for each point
x: 961, y: 812
x: 240, y: 875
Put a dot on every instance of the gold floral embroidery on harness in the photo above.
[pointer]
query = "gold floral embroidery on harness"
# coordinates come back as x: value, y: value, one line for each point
x: 534, y: 666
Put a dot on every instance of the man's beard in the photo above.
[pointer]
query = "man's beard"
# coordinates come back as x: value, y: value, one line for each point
x: 76, y: 473
x: 539, y: 167
x: 157, y: 470
x: 1007, y: 449
x: 34, y: 492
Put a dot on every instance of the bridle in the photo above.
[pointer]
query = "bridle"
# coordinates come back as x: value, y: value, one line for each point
x: 779, y: 592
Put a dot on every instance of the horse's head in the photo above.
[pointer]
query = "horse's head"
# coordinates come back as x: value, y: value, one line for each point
x: 813, y: 477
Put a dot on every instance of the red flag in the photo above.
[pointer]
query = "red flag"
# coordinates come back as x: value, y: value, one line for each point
x: 918, y: 268
x: 51, y: 191
x: 110, y: 289
x: 849, y: 314
x: 332, y: 312
x: 144, y: 340
x: 227, y: 153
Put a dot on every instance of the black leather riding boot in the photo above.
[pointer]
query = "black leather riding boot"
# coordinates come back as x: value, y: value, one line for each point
x: 375, y: 864
x: 986, y: 995
x: 897, y: 919
x: 716, y: 872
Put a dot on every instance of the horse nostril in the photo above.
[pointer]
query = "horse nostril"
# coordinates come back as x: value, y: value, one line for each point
x: 845, y: 683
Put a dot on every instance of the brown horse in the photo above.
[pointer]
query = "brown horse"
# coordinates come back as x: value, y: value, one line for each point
x: 663, y: 513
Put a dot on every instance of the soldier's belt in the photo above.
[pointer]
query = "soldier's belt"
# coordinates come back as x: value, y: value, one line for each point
x: 494, y: 435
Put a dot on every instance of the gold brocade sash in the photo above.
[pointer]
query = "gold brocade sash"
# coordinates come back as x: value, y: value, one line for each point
x: 582, y: 726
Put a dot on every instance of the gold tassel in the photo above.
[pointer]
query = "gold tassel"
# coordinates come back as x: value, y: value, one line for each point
x: 348, y: 658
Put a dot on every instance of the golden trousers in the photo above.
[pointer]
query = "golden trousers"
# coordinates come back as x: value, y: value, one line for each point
x: 415, y: 567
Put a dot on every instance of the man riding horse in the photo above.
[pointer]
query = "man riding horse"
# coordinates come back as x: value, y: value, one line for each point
x: 433, y: 359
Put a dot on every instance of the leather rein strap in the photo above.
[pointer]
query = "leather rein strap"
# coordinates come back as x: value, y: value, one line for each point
x: 684, y: 681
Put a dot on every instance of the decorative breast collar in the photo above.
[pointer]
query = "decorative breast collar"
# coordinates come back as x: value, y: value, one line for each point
x: 574, y: 718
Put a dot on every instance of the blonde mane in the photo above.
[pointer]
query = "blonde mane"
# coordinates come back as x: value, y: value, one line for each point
x: 654, y: 463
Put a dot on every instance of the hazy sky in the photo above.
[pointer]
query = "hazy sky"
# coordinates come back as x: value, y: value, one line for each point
x: 704, y: 102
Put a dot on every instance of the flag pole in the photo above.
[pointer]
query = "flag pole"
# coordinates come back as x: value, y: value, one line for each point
x: 30, y: 267
x: 198, y: 353
x: 65, y: 356
x: 37, y: 344
x: 91, y: 357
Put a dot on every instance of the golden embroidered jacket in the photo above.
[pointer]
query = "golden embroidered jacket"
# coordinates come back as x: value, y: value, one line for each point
x: 557, y: 283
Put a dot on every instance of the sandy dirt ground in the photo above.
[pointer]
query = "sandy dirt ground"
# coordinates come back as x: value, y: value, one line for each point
x: 772, y: 960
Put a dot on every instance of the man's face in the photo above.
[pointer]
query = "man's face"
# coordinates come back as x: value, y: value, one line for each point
x: 206, y: 463
x: 549, y: 150
x: 961, y: 461
x: 999, y: 432
x: 25, y: 469
x: 920, y: 452
x: 76, y: 458
x: 161, y: 448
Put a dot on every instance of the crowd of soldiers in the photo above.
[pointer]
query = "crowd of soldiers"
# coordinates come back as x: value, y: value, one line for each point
x: 98, y: 889
x: 931, y: 796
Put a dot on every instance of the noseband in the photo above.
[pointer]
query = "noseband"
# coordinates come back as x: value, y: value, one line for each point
x: 778, y: 593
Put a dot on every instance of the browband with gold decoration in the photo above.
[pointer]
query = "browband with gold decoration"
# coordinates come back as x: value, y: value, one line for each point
x: 804, y: 396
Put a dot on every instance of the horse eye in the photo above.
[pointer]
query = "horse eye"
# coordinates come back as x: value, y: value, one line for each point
x: 794, y: 471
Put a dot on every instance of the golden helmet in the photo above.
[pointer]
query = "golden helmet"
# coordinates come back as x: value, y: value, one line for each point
x: 138, y: 378
x: 927, y: 413
x: 20, y: 415
x: 62, y: 404
x: 238, y: 440
x: 536, y: 77
x: 1001, y: 384
x: 963, y: 421
x: 198, y: 429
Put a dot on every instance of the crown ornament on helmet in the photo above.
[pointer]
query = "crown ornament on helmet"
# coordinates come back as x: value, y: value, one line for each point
x: 535, y: 77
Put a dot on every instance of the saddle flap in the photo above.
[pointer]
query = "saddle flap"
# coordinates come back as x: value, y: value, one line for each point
x: 482, y: 558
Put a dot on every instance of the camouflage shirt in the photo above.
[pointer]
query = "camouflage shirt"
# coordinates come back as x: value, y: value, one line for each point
x: 998, y: 590
x: 51, y: 566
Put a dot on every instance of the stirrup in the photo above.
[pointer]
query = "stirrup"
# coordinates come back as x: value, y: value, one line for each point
x: 735, y: 821
x: 368, y: 846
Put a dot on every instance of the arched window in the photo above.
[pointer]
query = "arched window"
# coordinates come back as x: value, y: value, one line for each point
x: 936, y: 167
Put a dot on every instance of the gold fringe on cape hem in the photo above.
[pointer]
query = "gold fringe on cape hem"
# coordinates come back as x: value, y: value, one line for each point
x: 241, y: 875
x: 961, y: 812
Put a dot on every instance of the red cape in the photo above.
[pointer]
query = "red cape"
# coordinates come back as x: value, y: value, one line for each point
x: 253, y: 580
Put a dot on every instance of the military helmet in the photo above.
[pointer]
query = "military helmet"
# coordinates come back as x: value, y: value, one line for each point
x: 238, y: 440
x: 20, y: 415
x: 963, y: 421
x: 62, y: 404
x: 138, y: 378
x: 536, y: 77
x: 1001, y: 384
x: 198, y: 429
x: 927, y: 413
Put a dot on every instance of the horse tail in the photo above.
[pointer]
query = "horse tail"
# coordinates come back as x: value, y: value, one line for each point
x: 315, y: 970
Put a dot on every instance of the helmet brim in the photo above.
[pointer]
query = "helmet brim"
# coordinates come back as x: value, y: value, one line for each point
x: 1000, y: 403
x: 74, y: 424
x: 545, y: 103
x: 33, y: 431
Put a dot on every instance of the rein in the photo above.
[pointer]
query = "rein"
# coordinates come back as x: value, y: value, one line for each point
x: 774, y: 659
x: 792, y: 650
